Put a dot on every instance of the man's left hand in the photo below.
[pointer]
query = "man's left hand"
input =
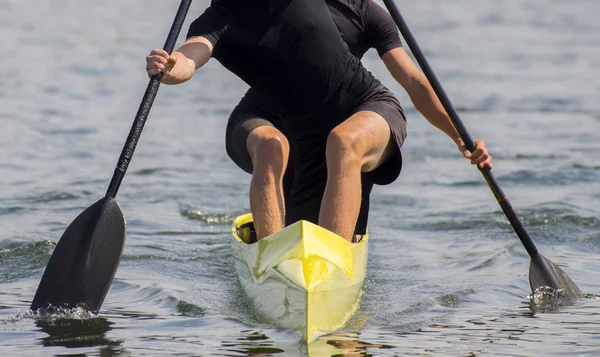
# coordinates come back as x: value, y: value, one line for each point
x: 479, y: 157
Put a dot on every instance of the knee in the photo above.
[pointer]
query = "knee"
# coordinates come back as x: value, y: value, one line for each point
x: 268, y: 147
x: 344, y: 148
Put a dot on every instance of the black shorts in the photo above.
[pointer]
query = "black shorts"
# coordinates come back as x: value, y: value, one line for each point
x: 306, y: 174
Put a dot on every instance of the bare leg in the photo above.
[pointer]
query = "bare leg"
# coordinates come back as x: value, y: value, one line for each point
x: 359, y: 144
x: 269, y: 150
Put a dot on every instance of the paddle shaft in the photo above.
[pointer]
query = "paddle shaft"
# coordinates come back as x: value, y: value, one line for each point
x: 462, y: 130
x: 145, y: 105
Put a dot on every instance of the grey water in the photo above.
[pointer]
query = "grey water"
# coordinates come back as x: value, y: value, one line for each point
x: 447, y: 275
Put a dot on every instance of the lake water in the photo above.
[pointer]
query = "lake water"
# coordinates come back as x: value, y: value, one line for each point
x: 447, y: 275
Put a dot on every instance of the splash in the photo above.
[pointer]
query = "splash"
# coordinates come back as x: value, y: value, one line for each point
x: 55, y: 313
x: 15, y: 318
x: 50, y: 314
x: 547, y: 300
x: 209, y: 218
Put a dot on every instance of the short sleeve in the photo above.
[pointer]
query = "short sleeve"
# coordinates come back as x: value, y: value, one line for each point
x: 381, y: 31
x: 212, y: 24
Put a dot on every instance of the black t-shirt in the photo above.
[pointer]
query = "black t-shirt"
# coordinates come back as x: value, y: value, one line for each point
x: 364, y: 24
x: 292, y: 51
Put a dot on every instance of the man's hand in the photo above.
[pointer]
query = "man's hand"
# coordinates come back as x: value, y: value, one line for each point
x: 159, y: 61
x: 479, y: 157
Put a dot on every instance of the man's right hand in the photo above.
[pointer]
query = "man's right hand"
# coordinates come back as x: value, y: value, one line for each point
x: 159, y: 61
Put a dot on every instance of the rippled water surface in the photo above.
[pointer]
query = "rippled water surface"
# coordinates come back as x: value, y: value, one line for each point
x: 447, y: 275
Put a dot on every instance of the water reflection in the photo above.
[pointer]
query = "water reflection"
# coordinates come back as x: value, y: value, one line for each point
x: 258, y: 344
x: 74, y: 333
x: 346, y: 345
x: 253, y: 344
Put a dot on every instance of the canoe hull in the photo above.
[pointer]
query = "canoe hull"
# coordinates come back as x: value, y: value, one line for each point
x: 303, y: 277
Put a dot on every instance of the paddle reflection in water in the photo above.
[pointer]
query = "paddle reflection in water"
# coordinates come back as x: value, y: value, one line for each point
x: 67, y: 331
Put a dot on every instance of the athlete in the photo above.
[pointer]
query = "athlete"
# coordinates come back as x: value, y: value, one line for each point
x: 312, y: 94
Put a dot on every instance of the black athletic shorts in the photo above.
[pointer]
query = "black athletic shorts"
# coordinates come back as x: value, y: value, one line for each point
x: 306, y: 174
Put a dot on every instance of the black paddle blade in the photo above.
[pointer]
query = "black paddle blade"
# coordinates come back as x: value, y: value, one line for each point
x: 544, y: 273
x: 85, y: 259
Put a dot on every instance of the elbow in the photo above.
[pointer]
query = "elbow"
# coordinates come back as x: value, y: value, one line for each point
x: 417, y: 91
x: 419, y: 84
x: 420, y: 91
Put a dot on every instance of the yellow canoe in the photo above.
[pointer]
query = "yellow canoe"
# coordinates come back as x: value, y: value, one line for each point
x: 303, y: 277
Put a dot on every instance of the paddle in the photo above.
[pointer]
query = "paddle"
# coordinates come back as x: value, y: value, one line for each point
x: 87, y: 255
x: 542, y: 272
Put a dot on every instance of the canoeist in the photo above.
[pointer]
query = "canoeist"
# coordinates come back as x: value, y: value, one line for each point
x: 311, y: 100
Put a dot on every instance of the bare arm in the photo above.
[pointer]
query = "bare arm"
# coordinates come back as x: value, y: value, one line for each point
x: 417, y: 86
x: 402, y: 68
x: 180, y: 66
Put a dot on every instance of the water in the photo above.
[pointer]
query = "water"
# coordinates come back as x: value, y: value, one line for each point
x: 447, y: 276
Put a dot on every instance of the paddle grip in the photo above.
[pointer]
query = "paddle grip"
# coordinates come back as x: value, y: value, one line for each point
x: 462, y: 130
x: 146, y: 104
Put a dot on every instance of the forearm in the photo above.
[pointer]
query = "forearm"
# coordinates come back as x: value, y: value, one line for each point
x: 427, y: 103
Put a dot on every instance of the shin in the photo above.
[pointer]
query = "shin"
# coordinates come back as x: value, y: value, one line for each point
x: 269, y: 150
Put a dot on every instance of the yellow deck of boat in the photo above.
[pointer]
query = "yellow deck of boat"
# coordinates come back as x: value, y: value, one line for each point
x: 303, y: 277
